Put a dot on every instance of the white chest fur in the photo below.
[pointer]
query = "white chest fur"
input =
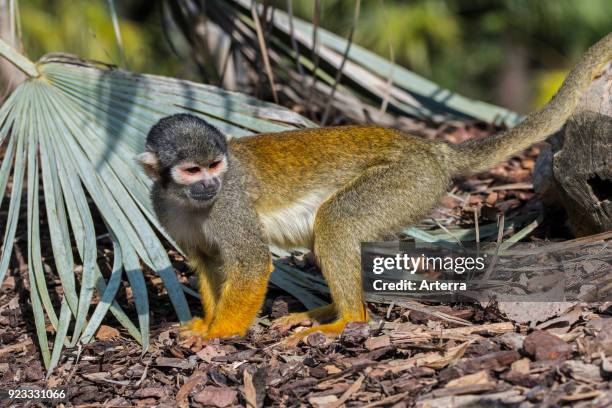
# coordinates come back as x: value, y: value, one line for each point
x: 188, y: 230
x: 292, y: 226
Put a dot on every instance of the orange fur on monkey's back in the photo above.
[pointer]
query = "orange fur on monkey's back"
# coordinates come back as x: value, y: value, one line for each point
x: 323, y: 157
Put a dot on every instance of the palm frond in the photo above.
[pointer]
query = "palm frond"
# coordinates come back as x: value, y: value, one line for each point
x: 73, y: 128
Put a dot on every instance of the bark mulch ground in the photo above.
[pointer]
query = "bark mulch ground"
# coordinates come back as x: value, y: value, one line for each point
x: 410, y: 354
x: 407, y: 356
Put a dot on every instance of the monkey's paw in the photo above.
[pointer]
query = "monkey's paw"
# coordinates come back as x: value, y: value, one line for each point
x: 196, y: 327
x: 285, y: 323
x: 330, y: 330
x: 323, y: 314
x: 202, y: 330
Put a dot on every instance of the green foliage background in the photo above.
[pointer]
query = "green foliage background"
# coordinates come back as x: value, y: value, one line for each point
x: 462, y: 45
x: 84, y: 28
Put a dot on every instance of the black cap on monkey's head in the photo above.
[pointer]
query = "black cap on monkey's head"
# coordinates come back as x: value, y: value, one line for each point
x: 182, y: 136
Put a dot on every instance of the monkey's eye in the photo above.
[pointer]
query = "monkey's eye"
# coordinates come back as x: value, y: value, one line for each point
x: 214, y: 165
x: 192, y: 170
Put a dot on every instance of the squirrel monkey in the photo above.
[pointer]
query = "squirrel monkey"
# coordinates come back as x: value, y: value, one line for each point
x: 327, y: 189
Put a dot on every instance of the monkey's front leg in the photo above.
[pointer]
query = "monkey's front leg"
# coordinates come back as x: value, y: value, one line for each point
x: 241, y: 297
x: 208, y: 280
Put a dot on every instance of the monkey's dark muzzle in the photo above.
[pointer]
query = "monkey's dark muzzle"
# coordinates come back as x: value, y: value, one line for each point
x: 204, y: 191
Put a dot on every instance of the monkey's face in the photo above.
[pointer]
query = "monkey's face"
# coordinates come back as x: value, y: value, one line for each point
x: 199, y: 181
x: 186, y: 158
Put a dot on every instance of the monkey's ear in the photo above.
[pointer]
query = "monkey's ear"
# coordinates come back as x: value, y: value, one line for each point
x: 150, y: 164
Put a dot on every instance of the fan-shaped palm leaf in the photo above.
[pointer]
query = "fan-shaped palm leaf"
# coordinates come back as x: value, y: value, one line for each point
x: 74, y: 127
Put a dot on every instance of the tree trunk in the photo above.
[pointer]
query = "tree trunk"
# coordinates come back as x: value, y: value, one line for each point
x: 575, y: 172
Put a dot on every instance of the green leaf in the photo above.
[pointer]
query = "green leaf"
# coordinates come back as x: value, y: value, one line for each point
x: 80, y: 126
x: 108, y: 295
x: 35, y: 262
x: 26, y: 130
x: 371, y: 78
x: 20, y: 163
x: 21, y: 62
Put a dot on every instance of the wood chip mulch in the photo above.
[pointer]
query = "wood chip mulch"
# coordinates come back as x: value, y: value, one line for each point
x: 409, y: 355
x: 406, y: 356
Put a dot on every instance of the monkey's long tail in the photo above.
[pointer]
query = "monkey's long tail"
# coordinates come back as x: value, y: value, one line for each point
x: 479, y: 155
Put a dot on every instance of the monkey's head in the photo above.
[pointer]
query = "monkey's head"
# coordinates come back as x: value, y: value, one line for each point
x: 186, y: 158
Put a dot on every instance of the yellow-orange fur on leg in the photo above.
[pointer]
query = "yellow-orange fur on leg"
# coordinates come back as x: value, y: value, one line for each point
x: 239, y: 302
x: 198, y: 327
x: 333, y: 329
x: 321, y: 314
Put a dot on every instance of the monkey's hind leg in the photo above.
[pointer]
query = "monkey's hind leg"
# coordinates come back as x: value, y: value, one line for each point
x: 321, y: 314
x: 380, y: 201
